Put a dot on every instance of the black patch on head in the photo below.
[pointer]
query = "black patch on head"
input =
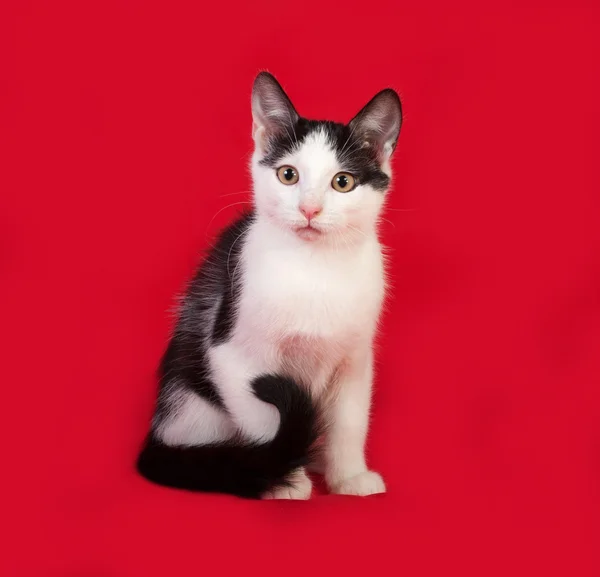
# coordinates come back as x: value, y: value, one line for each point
x: 350, y: 150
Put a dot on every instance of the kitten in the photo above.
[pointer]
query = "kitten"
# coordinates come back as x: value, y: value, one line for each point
x: 273, y: 348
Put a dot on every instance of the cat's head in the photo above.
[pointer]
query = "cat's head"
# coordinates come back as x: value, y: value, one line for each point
x: 319, y: 179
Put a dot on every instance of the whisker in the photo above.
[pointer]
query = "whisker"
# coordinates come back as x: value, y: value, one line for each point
x: 229, y: 254
x: 225, y: 208
x: 292, y: 124
x: 351, y: 227
x: 234, y: 193
x: 387, y: 220
x: 348, y: 139
x: 356, y: 145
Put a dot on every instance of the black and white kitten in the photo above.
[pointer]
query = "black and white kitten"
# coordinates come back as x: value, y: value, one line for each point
x: 275, y: 334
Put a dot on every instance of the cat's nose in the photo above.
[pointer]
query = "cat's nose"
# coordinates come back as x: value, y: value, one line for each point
x: 310, y: 211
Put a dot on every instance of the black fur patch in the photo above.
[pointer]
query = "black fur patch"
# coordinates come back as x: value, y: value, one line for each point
x: 361, y: 161
x: 184, y: 361
x: 224, y: 260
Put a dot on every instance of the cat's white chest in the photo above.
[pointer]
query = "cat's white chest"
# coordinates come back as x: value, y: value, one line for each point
x: 325, y: 298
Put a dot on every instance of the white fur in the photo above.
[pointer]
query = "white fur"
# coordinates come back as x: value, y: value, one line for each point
x: 193, y: 421
x: 233, y: 367
x: 300, y: 488
x: 362, y: 484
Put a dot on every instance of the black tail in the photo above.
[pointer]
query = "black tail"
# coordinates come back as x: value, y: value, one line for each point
x: 239, y: 467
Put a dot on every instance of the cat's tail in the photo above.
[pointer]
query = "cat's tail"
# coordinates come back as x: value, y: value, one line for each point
x: 238, y: 466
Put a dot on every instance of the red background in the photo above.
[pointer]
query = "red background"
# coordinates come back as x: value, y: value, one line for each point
x: 126, y: 129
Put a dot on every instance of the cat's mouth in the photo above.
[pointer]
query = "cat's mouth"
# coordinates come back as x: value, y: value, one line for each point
x: 308, y: 232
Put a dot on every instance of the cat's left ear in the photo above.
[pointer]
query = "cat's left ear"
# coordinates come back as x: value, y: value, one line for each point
x: 272, y: 111
x: 378, y: 123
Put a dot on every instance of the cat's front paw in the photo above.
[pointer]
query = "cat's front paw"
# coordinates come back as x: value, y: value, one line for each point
x: 363, y: 484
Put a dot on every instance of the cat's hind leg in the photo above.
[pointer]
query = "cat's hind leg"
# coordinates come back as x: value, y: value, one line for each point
x: 185, y: 418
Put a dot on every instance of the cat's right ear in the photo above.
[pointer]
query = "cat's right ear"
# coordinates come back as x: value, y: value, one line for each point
x: 272, y: 111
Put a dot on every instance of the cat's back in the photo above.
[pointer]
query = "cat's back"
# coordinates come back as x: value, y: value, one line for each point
x: 209, y: 304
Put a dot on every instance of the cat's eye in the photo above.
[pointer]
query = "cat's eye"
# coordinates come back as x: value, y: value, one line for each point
x: 287, y: 175
x: 343, y: 182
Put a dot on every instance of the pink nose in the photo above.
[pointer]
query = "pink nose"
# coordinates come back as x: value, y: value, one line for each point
x: 310, y: 210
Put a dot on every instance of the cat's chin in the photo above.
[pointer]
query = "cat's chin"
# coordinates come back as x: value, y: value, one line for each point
x: 308, y: 233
